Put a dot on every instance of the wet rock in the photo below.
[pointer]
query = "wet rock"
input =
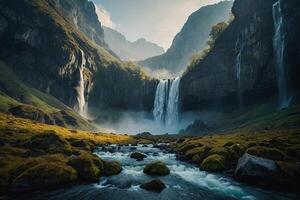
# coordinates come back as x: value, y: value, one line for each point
x: 256, y: 170
x: 155, y: 185
x: 156, y: 168
x: 132, y: 148
x: 111, y: 168
x: 155, y: 154
x: 138, y: 156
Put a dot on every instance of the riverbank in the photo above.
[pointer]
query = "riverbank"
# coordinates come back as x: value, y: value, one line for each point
x: 36, y: 156
x: 221, y: 154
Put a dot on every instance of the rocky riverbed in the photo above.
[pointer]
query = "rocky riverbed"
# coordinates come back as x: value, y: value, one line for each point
x: 184, y: 180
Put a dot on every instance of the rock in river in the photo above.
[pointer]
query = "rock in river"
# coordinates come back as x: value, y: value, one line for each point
x: 155, y: 185
x: 157, y: 168
x: 138, y: 156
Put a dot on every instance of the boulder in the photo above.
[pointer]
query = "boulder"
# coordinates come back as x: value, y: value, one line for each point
x: 88, y: 167
x: 155, y: 185
x: 157, y: 168
x: 111, y: 168
x: 213, y: 163
x: 44, y: 176
x: 138, y: 156
x: 253, y: 169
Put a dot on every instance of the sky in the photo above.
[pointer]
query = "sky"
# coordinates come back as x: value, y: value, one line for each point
x: 157, y: 21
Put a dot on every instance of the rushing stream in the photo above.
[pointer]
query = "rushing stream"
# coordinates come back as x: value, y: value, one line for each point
x: 185, y: 182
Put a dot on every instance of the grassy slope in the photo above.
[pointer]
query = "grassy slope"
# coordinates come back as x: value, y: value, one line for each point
x: 13, y: 92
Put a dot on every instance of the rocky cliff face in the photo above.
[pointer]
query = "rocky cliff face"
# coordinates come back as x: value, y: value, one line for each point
x: 126, y: 50
x: 51, y: 44
x: 191, y: 39
x: 241, y: 66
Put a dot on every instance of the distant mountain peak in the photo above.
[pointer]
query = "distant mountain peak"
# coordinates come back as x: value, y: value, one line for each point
x: 138, y: 50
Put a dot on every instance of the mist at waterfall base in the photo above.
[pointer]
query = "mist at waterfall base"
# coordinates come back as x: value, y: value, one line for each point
x: 130, y: 122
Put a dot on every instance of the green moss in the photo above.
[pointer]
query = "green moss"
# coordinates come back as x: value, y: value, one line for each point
x: 44, y: 176
x: 88, y: 167
x: 49, y: 142
x: 270, y: 153
x: 111, y: 168
x: 213, y: 163
x: 156, y: 168
x: 196, y: 151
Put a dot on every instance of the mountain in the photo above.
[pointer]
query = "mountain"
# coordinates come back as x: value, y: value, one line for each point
x: 126, y: 50
x: 56, y: 48
x: 191, y: 39
x: 242, y: 67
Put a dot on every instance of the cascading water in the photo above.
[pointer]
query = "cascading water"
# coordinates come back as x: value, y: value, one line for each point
x: 238, y: 63
x: 279, y: 48
x: 173, y: 103
x: 160, y: 101
x: 166, y: 103
x: 81, y: 106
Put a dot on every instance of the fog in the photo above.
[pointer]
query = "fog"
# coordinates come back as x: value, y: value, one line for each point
x: 138, y: 122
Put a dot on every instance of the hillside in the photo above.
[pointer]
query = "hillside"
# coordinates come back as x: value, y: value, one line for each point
x: 191, y: 39
x: 126, y: 50
x: 58, y: 48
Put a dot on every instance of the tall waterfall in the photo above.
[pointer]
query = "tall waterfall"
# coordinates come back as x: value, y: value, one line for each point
x: 238, y: 63
x: 81, y: 105
x: 166, y: 103
x: 279, y: 48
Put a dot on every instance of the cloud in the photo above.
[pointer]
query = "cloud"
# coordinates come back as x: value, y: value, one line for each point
x: 104, y: 17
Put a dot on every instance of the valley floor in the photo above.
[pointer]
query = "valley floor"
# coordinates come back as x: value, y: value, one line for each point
x: 35, y: 156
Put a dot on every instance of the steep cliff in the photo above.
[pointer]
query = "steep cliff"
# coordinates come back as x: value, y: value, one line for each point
x: 58, y: 48
x: 133, y: 51
x: 191, y: 39
x: 240, y: 69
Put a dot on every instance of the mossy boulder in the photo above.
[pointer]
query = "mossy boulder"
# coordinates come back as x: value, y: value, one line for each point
x: 197, y: 151
x: 156, y: 168
x: 82, y: 144
x: 154, y: 186
x: 111, y: 168
x: 265, y: 152
x: 213, y: 163
x: 49, y: 142
x: 138, y: 156
x: 88, y: 167
x: 186, y: 147
x: 44, y: 176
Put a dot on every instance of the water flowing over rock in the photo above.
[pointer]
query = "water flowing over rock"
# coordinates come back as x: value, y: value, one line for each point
x: 81, y: 106
x: 166, y: 103
x: 239, y: 48
x: 279, y: 49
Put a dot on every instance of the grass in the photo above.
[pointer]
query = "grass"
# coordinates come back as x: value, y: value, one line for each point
x: 32, y: 152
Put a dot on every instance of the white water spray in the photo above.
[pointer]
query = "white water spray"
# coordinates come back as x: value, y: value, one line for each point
x: 279, y: 48
x: 166, y: 103
x: 81, y: 106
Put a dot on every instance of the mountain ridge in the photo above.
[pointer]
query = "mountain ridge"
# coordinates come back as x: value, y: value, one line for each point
x: 130, y: 51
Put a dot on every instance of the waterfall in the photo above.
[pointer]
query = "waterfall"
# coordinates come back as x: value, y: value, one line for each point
x: 173, y: 103
x: 160, y: 100
x: 81, y: 106
x: 238, y: 64
x: 166, y: 103
x: 279, y: 48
